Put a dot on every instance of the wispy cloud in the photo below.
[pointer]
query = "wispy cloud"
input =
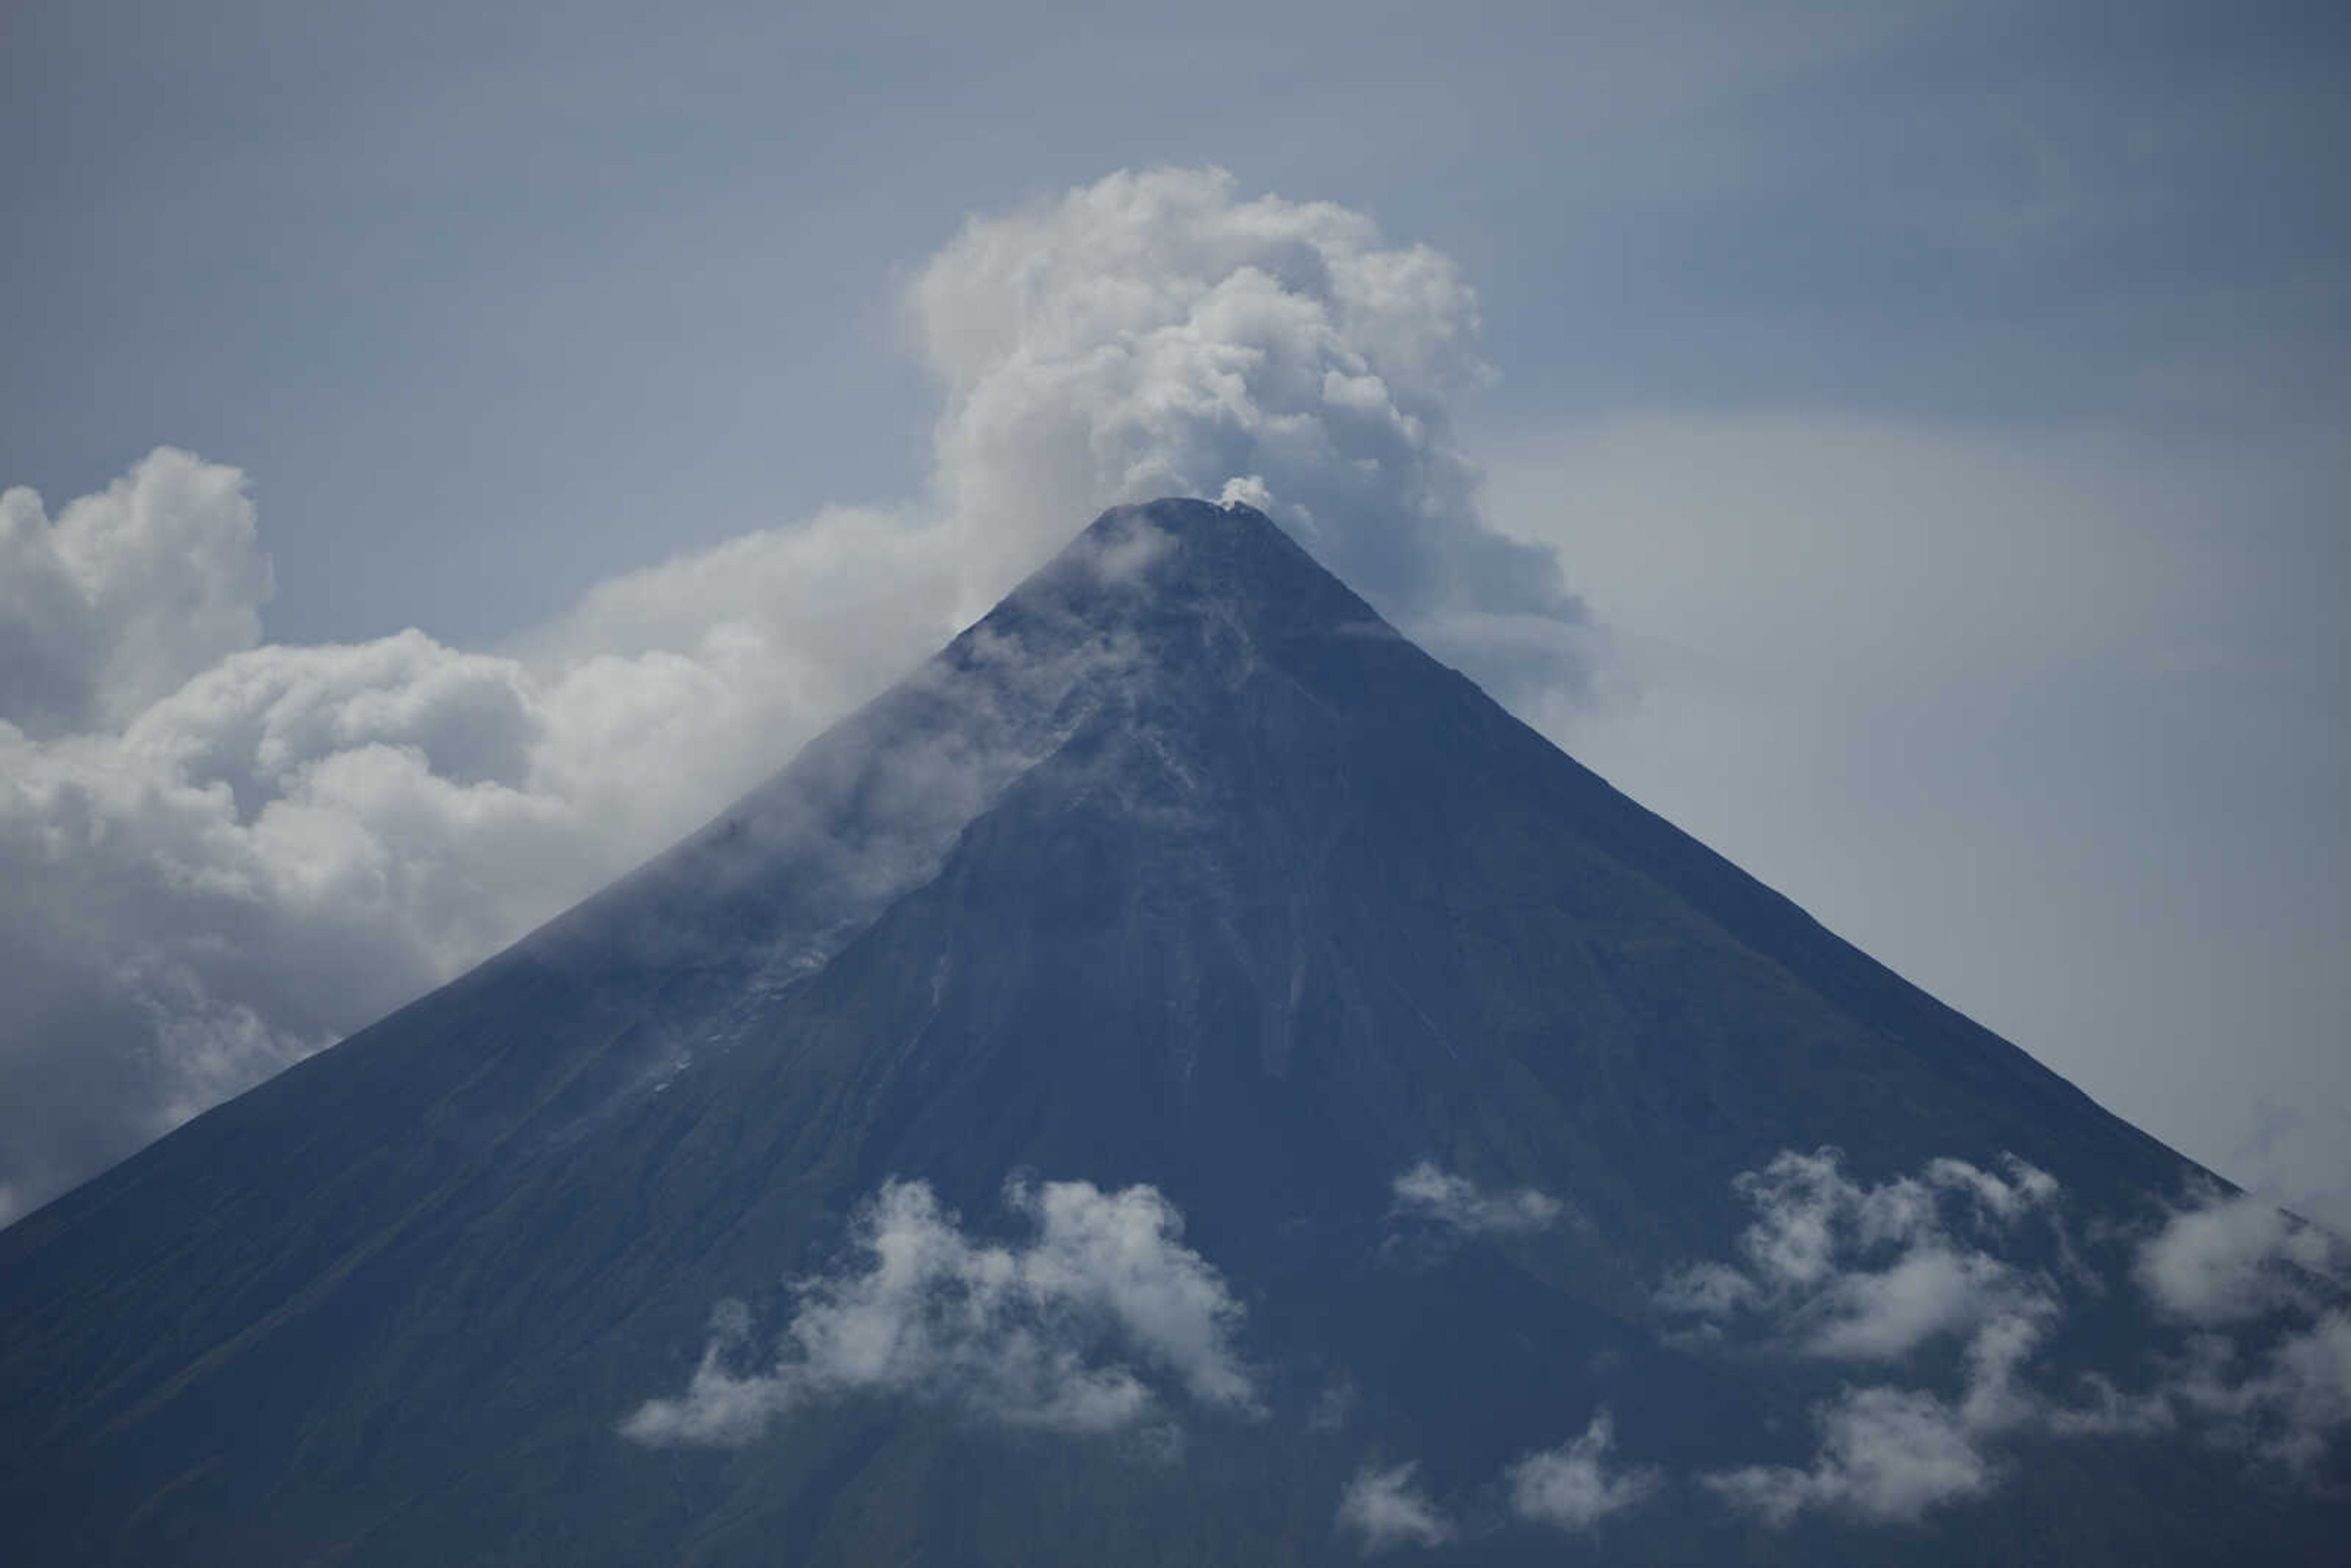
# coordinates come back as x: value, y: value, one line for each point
x: 1845, y: 1271
x: 1573, y: 1487
x: 1086, y: 1328
x: 2270, y: 1299
x: 2233, y: 1260
x: 1384, y: 1507
x: 1838, y: 1269
x: 1455, y: 1203
x: 1885, y: 1454
x: 1873, y: 1274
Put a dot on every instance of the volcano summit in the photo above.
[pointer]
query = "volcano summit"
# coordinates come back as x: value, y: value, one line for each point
x: 1183, y: 1078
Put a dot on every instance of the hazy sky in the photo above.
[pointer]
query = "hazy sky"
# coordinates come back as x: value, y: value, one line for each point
x: 1937, y: 410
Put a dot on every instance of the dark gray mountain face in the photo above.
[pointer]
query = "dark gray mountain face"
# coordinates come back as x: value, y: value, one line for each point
x: 1488, y: 1101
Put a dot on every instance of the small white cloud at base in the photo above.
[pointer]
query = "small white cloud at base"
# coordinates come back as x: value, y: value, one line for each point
x: 2269, y: 1366
x: 1873, y: 1273
x: 2235, y: 1259
x: 1384, y: 1508
x: 1573, y: 1487
x: 1846, y: 1270
x: 1838, y: 1270
x: 1454, y: 1202
x: 1886, y: 1455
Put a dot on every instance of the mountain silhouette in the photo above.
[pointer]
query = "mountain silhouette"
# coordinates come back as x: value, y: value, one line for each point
x: 1183, y: 1078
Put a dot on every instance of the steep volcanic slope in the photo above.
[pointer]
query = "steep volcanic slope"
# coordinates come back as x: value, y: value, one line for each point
x: 1183, y: 869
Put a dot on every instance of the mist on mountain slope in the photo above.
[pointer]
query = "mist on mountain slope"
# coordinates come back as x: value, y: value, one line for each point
x: 224, y: 853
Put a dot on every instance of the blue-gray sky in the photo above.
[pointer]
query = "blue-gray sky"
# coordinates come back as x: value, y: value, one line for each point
x: 1937, y: 410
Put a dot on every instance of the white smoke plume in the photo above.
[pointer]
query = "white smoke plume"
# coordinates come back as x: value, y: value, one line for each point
x: 1086, y: 1328
x: 1152, y: 334
x: 221, y: 854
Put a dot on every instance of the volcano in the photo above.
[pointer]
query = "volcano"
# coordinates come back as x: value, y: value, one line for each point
x: 1183, y: 1078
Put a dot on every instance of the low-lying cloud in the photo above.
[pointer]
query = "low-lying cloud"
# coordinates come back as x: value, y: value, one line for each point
x: 2234, y: 1259
x: 222, y: 854
x: 1101, y: 1319
x: 1455, y: 1203
x: 1885, y: 1454
x: 1836, y: 1270
x: 2269, y: 1296
x: 1871, y: 1273
x: 1384, y: 1507
x: 1572, y: 1488
x: 1575, y: 1485
x: 1877, y: 1275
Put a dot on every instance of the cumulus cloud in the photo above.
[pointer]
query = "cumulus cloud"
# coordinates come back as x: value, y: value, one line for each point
x: 222, y: 854
x: 1454, y: 1202
x: 297, y: 840
x: 1086, y: 1328
x: 126, y: 594
x: 1386, y: 1508
x: 1573, y: 1487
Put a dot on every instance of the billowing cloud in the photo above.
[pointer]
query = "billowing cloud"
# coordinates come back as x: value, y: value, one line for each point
x: 296, y: 840
x: 1384, y: 1507
x: 1154, y: 334
x: 1573, y: 1487
x: 127, y: 594
x: 1086, y: 1328
x: 222, y: 854
x: 1455, y: 1203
